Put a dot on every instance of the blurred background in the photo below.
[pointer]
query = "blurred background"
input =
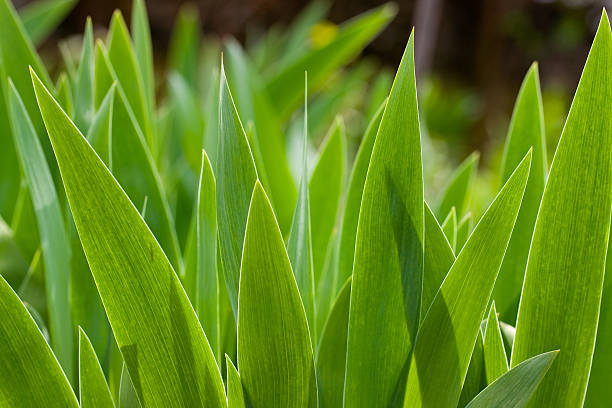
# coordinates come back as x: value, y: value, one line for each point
x: 471, y: 57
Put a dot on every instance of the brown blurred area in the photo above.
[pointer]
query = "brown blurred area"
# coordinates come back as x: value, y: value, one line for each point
x: 478, y: 46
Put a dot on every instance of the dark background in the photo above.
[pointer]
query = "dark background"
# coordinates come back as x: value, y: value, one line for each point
x: 476, y: 51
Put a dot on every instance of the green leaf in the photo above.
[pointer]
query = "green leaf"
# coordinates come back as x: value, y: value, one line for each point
x: 16, y: 54
x: 449, y: 330
x: 133, y: 165
x: 449, y: 226
x: 496, y: 363
x: 99, y: 134
x: 299, y: 244
x: 331, y: 354
x: 254, y: 105
x: 63, y: 94
x: 284, y: 87
x: 84, y: 83
x: 236, y: 176
x: 235, y: 395
x: 388, y: 269
x: 325, y: 188
x: 24, y: 353
x: 206, y: 279
x: 104, y: 76
x: 526, y: 130
x: 143, y: 50
x: 354, y: 195
x: 128, y: 397
x: 185, y: 44
x: 438, y: 259
x: 125, y: 64
x: 599, y: 391
x: 54, y: 239
x: 13, y: 264
x: 515, y: 388
x: 189, y: 120
x: 41, y: 18
x: 464, y: 229
x: 166, y: 353
x: 561, y: 295
x: 272, y: 328
x: 92, y: 384
x: 475, y: 378
x: 456, y: 192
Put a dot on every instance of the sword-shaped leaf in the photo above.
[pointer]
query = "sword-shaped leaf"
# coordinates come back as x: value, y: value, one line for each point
x: 53, y: 236
x: 559, y: 306
x: 388, y: 270
x: 456, y: 193
x: 30, y: 376
x: 515, y: 388
x: 236, y: 176
x: 496, y: 363
x: 41, y: 18
x: 93, y: 388
x: 84, y: 82
x: 325, y: 188
x: 143, y: 50
x: 448, y: 333
x: 438, y: 259
x: 206, y: 279
x: 353, y: 198
x: 299, y: 244
x: 599, y: 391
x: 235, y: 395
x: 475, y: 378
x: 156, y: 328
x: 331, y: 355
x: 126, y: 66
x: 274, y: 351
x: 526, y: 130
x: 449, y: 226
x: 134, y: 168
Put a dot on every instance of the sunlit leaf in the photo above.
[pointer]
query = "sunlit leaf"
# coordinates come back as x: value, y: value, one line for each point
x: 331, y: 354
x: 166, y: 353
x: 448, y: 333
x: 526, y: 130
x: 236, y: 177
x: 272, y: 328
x: 93, y: 389
x: 496, y: 363
x: 388, y: 270
x: 449, y: 226
x: 235, y: 395
x: 299, y: 244
x: 456, y: 192
x: 84, y: 83
x: 353, y: 198
x: 561, y: 296
x: 438, y: 259
x: 54, y: 239
x: 325, y: 187
x: 515, y: 388
x: 24, y: 352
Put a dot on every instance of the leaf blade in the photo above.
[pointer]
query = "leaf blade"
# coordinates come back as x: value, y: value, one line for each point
x: 134, y: 262
x: 273, y: 334
x: 446, y: 338
x: 567, y: 255
x: 389, y: 241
